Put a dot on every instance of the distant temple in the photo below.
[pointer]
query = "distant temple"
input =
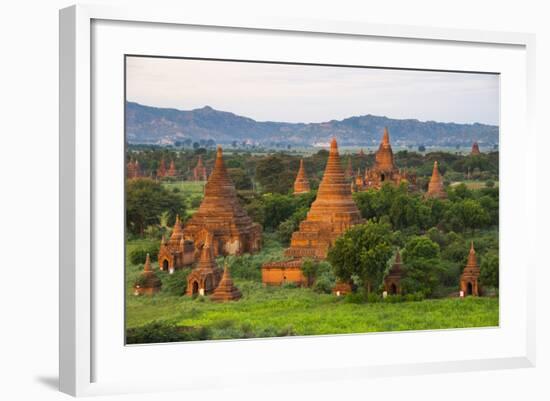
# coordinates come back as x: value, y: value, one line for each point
x: 348, y: 174
x: 176, y: 252
x: 133, y: 169
x: 384, y: 169
x: 330, y: 215
x: 475, y: 149
x: 221, y: 214
x: 148, y: 283
x: 226, y: 290
x: 470, y: 274
x: 301, y: 184
x: 172, y: 172
x: 199, y: 172
x: 204, y: 278
x: 161, y: 171
x: 435, y: 187
x: 392, y: 281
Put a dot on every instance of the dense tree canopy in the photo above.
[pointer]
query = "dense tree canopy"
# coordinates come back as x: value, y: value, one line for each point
x: 362, y: 254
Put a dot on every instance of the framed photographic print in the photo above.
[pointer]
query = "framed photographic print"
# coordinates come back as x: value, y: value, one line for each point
x: 277, y: 198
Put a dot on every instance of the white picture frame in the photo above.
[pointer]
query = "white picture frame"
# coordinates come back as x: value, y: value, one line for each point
x: 80, y: 344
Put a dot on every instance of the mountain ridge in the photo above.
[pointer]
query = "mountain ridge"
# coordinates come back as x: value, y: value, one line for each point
x: 163, y: 126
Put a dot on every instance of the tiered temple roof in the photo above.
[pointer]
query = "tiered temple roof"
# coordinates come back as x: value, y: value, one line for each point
x: 172, y: 172
x: 332, y: 212
x: 301, y: 184
x: 475, y: 149
x: 384, y: 155
x: 226, y: 290
x: 221, y: 214
x: 435, y: 187
x: 199, y: 172
x: 470, y: 274
x: 133, y: 169
x: 204, y: 278
x: 384, y: 169
x: 161, y: 171
x: 392, y: 282
x: 148, y: 283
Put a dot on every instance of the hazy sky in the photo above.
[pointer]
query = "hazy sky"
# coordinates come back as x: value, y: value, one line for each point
x: 296, y: 93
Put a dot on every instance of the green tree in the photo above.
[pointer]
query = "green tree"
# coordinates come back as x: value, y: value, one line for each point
x: 489, y: 270
x: 146, y: 201
x: 275, y: 175
x: 422, y: 265
x: 363, y: 252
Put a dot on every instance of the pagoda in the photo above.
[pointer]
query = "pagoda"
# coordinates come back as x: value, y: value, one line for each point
x: 475, y: 149
x: 392, y: 281
x: 172, y: 172
x: 226, y: 290
x: 435, y: 187
x: 301, y: 184
x: 220, y: 213
x: 384, y: 169
x: 148, y: 283
x: 161, y: 171
x: 330, y: 215
x: 177, y: 252
x: 204, y: 278
x: 470, y: 274
x: 133, y: 169
x: 199, y: 172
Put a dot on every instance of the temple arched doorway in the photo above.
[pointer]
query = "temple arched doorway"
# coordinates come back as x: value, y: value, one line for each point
x: 165, y: 264
x: 393, y: 289
x: 195, y: 288
x: 382, y: 177
x: 469, y: 289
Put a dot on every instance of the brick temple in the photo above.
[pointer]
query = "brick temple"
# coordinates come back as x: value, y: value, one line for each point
x: 149, y: 283
x: 301, y: 184
x: 133, y: 170
x: 330, y: 215
x: 221, y: 214
x: 475, y: 149
x: 199, y: 172
x: 435, y: 187
x: 161, y: 170
x: 176, y: 252
x: 384, y: 169
x: 226, y: 290
x: 172, y: 172
x: 392, y: 281
x: 205, y: 277
x: 470, y: 275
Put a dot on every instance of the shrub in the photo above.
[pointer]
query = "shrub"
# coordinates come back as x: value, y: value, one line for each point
x: 137, y: 256
x: 175, y: 283
x: 163, y: 332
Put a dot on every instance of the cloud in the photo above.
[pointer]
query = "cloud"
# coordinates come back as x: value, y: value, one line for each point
x: 299, y: 93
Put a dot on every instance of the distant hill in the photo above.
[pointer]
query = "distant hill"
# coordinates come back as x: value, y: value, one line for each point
x: 153, y: 125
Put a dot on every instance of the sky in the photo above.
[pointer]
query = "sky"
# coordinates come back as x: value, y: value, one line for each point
x: 305, y: 93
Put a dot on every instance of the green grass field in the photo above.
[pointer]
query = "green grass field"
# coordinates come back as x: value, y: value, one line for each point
x: 300, y: 311
x: 278, y: 311
x: 472, y: 184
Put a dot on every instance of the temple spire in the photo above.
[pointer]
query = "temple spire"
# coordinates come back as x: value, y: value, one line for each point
x: 435, y: 186
x: 147, y: 267
x: 472, y: 259
x: 301, y: 184
x: 386, y: 137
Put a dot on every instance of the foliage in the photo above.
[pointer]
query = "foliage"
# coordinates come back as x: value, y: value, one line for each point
x: 489, y: 270
x: 137, y: 255
x: 362, y: 251
x: 176, y: 283
x: 274, y: 175
x: 146, y: 200
x: 163, y: 332
x: 422, y: 265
